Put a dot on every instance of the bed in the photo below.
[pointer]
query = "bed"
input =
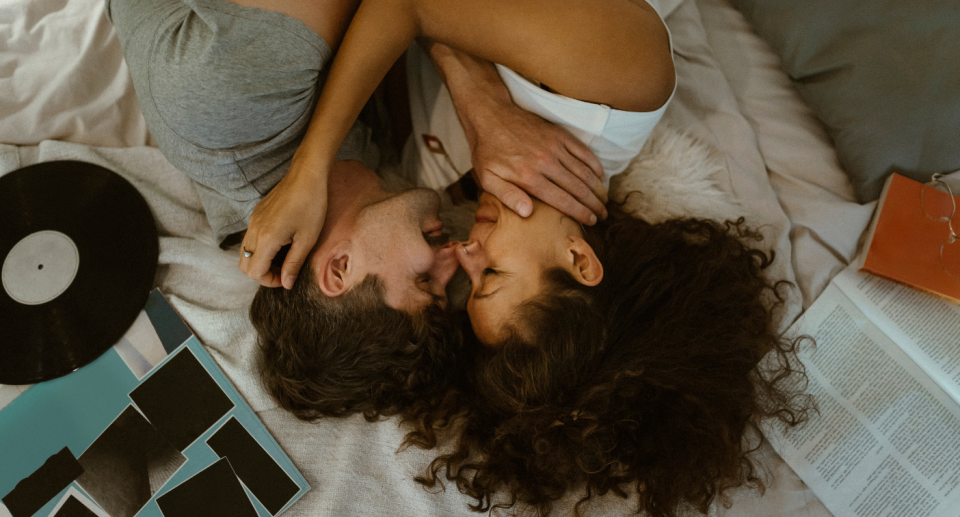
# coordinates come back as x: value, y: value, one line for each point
x: 65, y: 93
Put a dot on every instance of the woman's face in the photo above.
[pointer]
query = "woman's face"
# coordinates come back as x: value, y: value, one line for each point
x: 507, y: 254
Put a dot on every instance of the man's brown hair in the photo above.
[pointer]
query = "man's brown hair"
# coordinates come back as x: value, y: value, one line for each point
x: 323, y: 356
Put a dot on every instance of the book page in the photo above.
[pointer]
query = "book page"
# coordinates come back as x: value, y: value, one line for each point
x: 927, y: 328
x: 887, y: 439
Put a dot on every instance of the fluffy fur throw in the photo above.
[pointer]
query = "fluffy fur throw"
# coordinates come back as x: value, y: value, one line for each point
x: 674, y: 176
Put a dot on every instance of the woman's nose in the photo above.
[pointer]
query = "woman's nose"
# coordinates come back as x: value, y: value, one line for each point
x: 471, y: 256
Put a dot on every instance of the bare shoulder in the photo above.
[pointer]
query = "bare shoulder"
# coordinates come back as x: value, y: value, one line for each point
x: 659, y: 75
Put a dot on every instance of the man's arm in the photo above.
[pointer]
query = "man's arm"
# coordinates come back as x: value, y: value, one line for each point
x: 513, y: 150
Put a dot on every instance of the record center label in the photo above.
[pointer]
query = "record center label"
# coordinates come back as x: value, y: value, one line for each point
x: 40, y: 267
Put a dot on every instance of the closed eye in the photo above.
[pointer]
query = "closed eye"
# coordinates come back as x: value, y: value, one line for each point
x: 484, y: 274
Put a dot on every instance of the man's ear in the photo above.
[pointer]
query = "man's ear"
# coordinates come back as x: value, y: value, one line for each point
x: 335, y: 270
x: 584, y: 264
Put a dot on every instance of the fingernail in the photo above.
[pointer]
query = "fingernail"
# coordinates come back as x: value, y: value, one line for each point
x: 288, y: 282
x: 593, y: 219
x: 523, y: 210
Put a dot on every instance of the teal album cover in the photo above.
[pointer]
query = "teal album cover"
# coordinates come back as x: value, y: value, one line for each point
x: 152, y: 428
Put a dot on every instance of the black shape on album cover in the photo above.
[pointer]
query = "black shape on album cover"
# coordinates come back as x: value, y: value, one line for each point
x: 37, y: 489
x: 170, y: 328
x: 261, y: 474
x: 212, y: 492
x: 72, y: 507
x: 127, y: 464
x: 181, y: 399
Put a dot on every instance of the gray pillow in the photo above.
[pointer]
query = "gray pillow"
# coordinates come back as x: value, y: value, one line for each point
x: 882, y: 75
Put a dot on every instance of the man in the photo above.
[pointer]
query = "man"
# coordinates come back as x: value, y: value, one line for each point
x: 227, y: 91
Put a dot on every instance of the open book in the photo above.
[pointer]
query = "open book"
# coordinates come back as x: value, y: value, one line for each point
x: 885, y: 373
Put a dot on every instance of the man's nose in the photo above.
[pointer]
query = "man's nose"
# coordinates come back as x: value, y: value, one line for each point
x: 471, y: 256
x: 444, y: 266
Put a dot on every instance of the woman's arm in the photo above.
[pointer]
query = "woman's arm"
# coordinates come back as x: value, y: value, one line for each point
x: 294, y: 211
x: 616, y: 53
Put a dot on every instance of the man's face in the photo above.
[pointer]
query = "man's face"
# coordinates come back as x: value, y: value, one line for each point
x: 399, y: 239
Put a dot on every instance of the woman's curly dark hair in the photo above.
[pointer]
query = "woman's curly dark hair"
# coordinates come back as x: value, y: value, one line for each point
x: 647, y: 383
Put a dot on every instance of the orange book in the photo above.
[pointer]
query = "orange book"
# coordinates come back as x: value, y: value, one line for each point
x: 903, y: 244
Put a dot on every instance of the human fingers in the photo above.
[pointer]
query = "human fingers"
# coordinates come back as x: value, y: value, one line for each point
x: 560, y: 176
x: 257, y: 265
x: 296, y: 256
x: 583, y: 153
x: 582, y: 170
x: 578, y: 180
x: 574, y: 164
x: 508, y: 193
x: 559, y: 198
x: 248, y: 244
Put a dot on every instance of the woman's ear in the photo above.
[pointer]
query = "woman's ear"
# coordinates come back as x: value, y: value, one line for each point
x: 584, y: 264
x: 334, y: 271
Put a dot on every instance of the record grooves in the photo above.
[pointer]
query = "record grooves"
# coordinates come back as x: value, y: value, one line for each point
x: 78, y: 250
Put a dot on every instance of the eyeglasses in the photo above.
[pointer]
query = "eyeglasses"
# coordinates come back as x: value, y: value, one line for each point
x: 943, y: 208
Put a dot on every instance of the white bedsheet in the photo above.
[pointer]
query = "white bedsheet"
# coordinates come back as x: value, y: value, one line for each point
x: 825, y: 219
x: 62, y: 78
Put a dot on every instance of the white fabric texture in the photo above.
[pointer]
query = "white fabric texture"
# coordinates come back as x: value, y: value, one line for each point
x: 675, y: 176
x: 803, y: 167
x: 750, y: 144
x: 63, y: 77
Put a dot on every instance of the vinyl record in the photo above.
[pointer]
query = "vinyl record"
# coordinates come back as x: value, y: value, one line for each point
x: 78, y: 247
